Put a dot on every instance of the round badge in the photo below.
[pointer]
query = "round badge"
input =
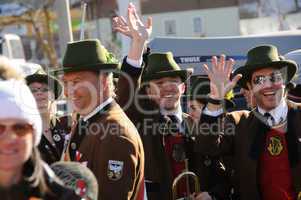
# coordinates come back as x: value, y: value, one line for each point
x: 57, y: 137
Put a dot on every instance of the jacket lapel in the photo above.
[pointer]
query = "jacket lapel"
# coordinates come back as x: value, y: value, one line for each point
x: 257, y: 136
x: 294, y: 146
x: 291, y: 137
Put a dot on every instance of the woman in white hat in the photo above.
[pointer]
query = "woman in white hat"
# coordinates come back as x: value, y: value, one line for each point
x: 23, y: 175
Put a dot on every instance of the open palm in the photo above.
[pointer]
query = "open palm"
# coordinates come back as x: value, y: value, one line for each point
x: 133, y: 27
x: 219, y: 76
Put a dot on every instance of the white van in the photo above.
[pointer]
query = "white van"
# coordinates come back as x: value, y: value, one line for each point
x: 11, y: 47
x: 193, y: 52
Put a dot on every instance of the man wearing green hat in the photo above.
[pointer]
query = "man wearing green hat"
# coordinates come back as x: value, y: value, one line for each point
x: 104, y: 139
x: 265, y: 142
x: 151, y: 97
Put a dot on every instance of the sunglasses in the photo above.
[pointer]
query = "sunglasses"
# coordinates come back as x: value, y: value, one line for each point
x: 19, y: 129
x: 274, y: 78
x: 36, y: 90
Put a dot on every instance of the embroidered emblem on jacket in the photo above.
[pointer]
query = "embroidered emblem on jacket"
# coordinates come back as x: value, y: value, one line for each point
x: 115, y: 170
x: 275, y: 146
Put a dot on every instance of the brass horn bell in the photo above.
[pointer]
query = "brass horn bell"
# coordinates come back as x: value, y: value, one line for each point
x: 185, y: 174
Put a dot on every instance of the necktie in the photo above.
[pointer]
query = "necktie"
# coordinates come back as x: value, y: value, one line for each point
x: 269, y: 119
x: 173, y: 125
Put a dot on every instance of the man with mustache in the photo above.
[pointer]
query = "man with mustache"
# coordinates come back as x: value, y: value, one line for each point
x: 265, y: 142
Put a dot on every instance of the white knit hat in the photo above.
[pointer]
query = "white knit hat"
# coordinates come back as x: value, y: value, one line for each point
x: 17, y: 102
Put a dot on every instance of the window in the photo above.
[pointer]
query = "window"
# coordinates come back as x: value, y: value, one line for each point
x: 197, y: 25
x: 170, y: 27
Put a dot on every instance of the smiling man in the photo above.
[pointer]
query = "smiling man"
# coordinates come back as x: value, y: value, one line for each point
x: 104, y: 140
x: 151, y: 97
x: 265, y: 142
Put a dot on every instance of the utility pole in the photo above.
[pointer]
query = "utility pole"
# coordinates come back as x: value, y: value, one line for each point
x: 62, y: 9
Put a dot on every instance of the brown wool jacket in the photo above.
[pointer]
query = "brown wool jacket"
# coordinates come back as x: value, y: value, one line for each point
x: 112, y: 149
x: 242, y: 138
x: 158, y: 172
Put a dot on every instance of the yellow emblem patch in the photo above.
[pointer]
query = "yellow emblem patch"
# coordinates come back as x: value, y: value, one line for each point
x: 275, y: 146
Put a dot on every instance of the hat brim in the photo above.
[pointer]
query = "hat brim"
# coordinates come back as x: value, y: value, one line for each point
x: 94, y: 67
x: 54, y: 84
x: 183, y: 74
x: 247, y: 70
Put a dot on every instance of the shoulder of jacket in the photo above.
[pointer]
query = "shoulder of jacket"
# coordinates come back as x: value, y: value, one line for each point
x: 293, y: 105
x: 238, y: 115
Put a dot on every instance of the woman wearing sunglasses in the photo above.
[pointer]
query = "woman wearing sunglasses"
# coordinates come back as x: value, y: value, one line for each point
x: 23, y: 175
x: 46, y: 89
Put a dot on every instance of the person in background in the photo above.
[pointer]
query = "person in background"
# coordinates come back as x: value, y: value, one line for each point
x: 251, y: 103
x: 198, y: 96
x: 294, y: 94
x: 46, y: 89
x: 7, y: 71
x: 23, y: 174
x: 78, y: 178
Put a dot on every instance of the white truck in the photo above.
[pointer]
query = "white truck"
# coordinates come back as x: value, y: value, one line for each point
x: 11, y: 47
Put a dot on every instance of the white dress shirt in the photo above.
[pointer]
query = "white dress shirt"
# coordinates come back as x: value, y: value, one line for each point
x: 279, y: 113
x: 98, y: 108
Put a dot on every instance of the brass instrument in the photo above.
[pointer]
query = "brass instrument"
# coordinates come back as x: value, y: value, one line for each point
x: 185, y: 174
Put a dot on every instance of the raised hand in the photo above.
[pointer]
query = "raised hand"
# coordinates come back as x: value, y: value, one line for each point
x: 219, y: 76
x: 133, y: 27
x: 120, y: 25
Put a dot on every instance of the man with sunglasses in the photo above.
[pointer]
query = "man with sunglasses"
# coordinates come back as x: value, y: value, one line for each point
x: 265, y: 142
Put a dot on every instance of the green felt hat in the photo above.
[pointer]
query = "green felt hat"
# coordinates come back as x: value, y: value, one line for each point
x: 161, y: 65
x: 265, y: 56
x: 87, y: 55
x: 41, y: 76
x: 200, y: 89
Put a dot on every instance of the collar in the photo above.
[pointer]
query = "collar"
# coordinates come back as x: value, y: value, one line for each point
x: 178, y: 113
x: 279, y: 113
x: 97, y: 109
